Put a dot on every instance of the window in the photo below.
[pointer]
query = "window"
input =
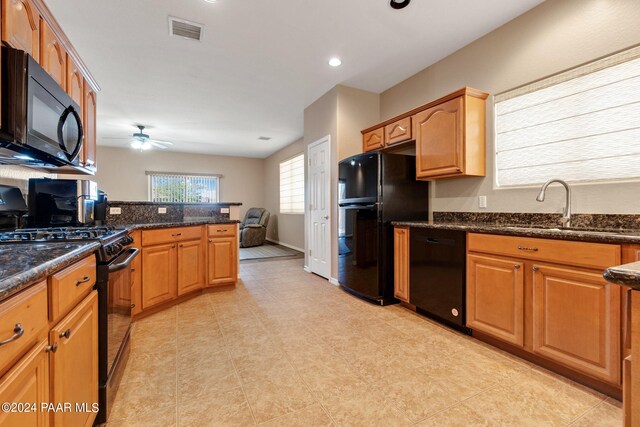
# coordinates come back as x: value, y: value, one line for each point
x: 582, y: 125
x: 292, y: 185
x: 183, y: 188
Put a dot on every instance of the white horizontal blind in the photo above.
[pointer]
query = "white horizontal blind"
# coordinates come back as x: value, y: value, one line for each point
x: 168, y: 188
x: 292, y: 185
x: 584, y: 126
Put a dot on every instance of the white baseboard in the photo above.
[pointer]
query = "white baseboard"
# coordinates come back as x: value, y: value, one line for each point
x: 334, y: 281
x: 295, y: 248
x: 307, y: 269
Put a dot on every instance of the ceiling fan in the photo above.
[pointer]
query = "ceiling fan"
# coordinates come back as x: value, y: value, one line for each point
x: 142, y: 141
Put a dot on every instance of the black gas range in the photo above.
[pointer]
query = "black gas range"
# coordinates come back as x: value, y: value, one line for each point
x: 113, y: 282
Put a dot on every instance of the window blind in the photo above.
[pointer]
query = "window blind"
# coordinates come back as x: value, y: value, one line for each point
x: 292, y: 185
x: 582, y: 125
x: 183, y: 188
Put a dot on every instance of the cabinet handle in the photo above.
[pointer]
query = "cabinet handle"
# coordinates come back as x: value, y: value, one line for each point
x: 222, y: 231
x: 52, y: 348
x: 85, y: 279
x: 176, y: 235
x: 516, y: 266
x: 181, y: 245
x: 17, y: 333
x: 210, y: 240
x: 133, y: 270
x: 534, y: 268
x: 458, y: 170
x: 524, y: 248
x: 133, y: 305
x: 66, y: 334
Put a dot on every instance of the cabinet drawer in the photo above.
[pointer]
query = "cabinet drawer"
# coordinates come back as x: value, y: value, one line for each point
x: 222, y: 230
x: 69, y: 286
x: 22, y: 317
x: 170, y: 235
x: 399, y: 131
x: 583, y: 254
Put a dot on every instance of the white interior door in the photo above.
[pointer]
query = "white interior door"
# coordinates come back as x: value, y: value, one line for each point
x: 319, y: 208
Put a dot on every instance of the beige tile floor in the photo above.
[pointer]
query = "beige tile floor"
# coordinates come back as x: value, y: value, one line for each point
x: 286, y: 348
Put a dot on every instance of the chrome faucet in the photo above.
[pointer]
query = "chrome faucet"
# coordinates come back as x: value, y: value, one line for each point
x: 566, y: 214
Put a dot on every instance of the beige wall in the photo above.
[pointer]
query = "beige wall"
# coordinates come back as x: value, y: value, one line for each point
x: 121, y: 173
x: 340, y: 114
x: 557, y: 35
x: 287, y: 229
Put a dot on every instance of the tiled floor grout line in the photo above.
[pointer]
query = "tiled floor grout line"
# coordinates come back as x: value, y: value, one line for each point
x: 584, y: 414
x: 235, y: 368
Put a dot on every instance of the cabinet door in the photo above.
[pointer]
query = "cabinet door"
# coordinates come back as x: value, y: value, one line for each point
x: 53, y: 57
x: 397, y: 132
x: 576, y: 320
x: 401, y: 263
x: 439, y: 135
x: 89, y: 125
x: 159, y: 276
x: 20, y: 26
x: 373, y: 140
x: 136, y: 277
x: 495, y: 297
x: 222, y: 262
x: 74, y: 365
x: 190, y: 266
x: 27, y: 382
x: 75, y: 89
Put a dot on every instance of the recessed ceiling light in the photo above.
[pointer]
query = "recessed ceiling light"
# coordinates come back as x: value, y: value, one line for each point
x: 335, y: 62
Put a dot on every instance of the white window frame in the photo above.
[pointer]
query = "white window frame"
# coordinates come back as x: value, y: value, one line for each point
x: 582, y: 70
x: 151, y: 174
x: 300, y: 158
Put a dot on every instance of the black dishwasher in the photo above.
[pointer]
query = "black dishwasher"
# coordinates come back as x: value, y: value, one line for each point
x: 437, y: 274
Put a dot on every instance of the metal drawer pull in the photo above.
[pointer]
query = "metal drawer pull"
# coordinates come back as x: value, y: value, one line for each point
x: 516, y: 266
x: 17, y: 333
x: 222, y: 231
x: 523, y: 248
x: 534, y: 268
x: 52, y: 348
x: 176, y: 235
x: 66, y: 334
x: 85, y: 279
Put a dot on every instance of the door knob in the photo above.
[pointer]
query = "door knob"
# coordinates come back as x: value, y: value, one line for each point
x: 325, y: 217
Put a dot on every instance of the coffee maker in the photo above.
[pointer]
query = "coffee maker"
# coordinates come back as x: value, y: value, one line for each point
x: 61, y: 202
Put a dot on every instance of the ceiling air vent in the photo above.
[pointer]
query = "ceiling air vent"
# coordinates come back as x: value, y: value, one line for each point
x: 187, y: 29
x: 264, y: 138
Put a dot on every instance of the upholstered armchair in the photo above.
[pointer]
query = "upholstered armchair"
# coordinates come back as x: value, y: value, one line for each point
x: 253, y: 230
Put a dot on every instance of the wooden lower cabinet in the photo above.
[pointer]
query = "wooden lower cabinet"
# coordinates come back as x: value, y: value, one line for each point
x: 495, y: 297
x: 159, y: 278
x: 191, y: 271
x: 222, y: 265
x: 74, y: 364
x: 28, y: 383
x: 632, y: 404
x: 401, y: 263
x: 136, y: 275
x: 576, y: 320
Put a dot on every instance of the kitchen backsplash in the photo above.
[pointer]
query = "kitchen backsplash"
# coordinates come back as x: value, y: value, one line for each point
x: 18, y: 176
x: 606, y: 221
x: 147, y: 212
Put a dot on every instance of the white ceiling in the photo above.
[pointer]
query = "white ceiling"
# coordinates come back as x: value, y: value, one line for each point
x: 260, y: 62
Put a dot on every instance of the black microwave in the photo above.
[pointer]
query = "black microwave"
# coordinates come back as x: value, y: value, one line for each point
x: 40, y: 123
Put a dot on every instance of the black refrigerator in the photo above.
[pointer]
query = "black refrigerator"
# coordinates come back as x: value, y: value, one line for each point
x: 373, y: 190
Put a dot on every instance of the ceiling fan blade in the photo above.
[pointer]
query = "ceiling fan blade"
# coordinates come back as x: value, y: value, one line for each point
x: 156, y: 145
x: 117, y: 138
x: 160, y: 142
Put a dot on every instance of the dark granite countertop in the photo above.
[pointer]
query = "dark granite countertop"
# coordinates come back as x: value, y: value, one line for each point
x: 152, y: 225
x: 24, y: 264
x: 544, y: 232
x: 627, y: 274
x: 145, y: 202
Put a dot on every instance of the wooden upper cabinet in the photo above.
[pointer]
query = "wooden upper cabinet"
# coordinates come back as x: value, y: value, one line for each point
x: 53, y: 57
x: 74, y: 364
x: 20, y: 26
x: 401, y: 263
x: 75, y: 83
x: 27, y: 382
x: 398, y: 132
x: 576, y: 320
x: 373, y: 140
x: 89, y: 125
x: 495, y: 297
x: 191, y: 262
x: 450, y: 137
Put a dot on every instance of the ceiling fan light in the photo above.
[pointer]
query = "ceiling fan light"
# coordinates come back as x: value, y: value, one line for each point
x: 136, y: 145
x: 145, y: 146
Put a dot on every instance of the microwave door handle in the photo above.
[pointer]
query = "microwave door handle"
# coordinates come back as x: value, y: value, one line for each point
x: 61, y: 122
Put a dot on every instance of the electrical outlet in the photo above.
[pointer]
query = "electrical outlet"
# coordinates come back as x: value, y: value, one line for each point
x: 224, y: 210
x: 162, y: 210
x: 482, y: 202
x: 115, y: 211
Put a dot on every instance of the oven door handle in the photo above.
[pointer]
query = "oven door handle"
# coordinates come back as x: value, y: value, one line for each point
x: 133, y: 252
